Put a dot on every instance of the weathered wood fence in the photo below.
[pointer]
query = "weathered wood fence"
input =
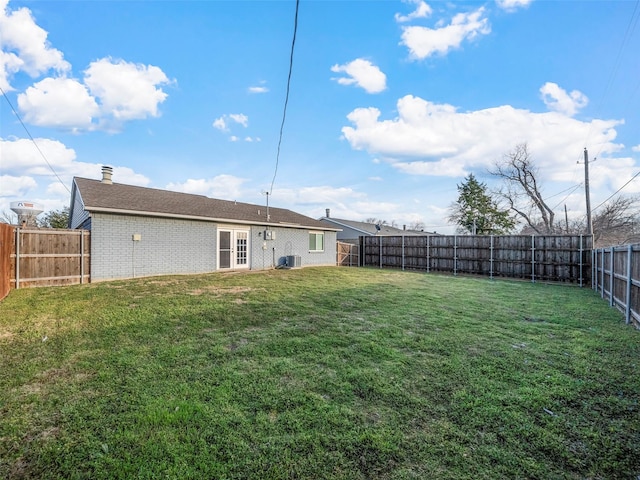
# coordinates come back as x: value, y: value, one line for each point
x: 347, y: 254
x: 554, y: 258
x: 46, y: 257
x: 616, y: 275
x: 6, y: 244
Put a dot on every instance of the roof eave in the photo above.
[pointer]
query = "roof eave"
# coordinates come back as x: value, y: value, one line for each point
x: 141, y: 213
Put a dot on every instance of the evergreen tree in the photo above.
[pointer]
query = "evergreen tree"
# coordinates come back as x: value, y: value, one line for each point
x: 55, y: 219
x: 476, y: 212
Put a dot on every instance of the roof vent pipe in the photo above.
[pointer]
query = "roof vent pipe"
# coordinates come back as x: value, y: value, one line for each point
x: 106, y: 175
x: 328, y: 211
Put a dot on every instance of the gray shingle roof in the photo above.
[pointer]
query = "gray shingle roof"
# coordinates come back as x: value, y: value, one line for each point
x: 120, y: 198
x: 370, y: 228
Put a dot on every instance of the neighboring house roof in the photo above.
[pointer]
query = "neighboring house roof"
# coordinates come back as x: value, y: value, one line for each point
x: 97, y: 196
x: 370, y: 228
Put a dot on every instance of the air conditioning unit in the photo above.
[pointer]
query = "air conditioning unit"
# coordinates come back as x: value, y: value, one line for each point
x: 294, y: 261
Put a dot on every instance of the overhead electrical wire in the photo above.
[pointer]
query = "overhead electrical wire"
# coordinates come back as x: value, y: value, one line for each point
x: 616, y: 192
x: 286, y: 98
x: 631, y: 26
x: 33, y: 140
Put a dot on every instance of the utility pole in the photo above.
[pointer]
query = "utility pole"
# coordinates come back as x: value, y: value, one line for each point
x: 586, y: 191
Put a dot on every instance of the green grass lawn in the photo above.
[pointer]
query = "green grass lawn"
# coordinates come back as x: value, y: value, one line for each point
x: 317, y: 373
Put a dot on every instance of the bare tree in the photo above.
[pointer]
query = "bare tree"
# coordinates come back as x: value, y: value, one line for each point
x: 418, y: 226
x: 521, y: 189
x: 617, y: 222
x: 8, y: 217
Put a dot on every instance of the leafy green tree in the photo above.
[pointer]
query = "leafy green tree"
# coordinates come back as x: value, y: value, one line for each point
x: 55, y: 219
x: 477, y: 213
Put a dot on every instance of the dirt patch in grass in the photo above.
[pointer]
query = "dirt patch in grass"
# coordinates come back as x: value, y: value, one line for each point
x: 219, y: 291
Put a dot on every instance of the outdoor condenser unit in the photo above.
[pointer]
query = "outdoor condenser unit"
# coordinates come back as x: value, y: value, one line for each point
x: 294, y: 261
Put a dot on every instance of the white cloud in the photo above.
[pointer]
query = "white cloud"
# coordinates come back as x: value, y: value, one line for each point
x: 226, y: 187
x: 222, y: 123
x: 25, y: 171
x: 422, y: 11
x: 239, y: 118
x: 424, y: 42
x: 436, y: 139
x: 557, y: 99
x: 58, y: 102
x: 258, y: 89
x: 25, y: 47
x: 512, y: 5
x: 11, y: 186
x: 126, y: 91
x: 362, y: 73
x: 21, y: 157
x: 636, y: 148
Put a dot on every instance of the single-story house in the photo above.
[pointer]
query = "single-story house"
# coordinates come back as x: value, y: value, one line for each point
x: 138, y: 231
x: 351, y: 230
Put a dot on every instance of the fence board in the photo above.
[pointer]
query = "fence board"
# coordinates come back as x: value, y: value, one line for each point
x: 48, y: 257
x: 616, y: 274
x: 556, y: 258
x: 6, y: 247
x: 347, y: 254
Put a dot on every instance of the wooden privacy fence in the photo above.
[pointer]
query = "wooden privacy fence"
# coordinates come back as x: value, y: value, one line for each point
x: 347, y: 254
x: 555, y: 258
x: 49, y: 256
x: 616, y: 275
x: 6, y: 245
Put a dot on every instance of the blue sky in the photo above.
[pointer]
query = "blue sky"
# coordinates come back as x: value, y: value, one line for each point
x: 391, y: 103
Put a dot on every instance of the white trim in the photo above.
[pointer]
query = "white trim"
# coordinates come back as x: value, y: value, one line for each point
x: 140, y: 213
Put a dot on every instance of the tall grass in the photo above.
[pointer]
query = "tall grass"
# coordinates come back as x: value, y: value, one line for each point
x: 317, y: 373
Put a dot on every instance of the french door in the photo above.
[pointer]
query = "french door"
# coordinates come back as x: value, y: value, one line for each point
x: 233, y: 249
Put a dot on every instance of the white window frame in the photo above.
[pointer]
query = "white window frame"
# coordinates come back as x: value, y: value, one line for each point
x: 316, y: 234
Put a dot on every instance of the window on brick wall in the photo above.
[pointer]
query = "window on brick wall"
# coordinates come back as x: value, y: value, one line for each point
x: 316, y: 241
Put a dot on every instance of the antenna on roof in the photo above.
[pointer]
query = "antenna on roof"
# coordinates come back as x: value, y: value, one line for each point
x: 267, y: 194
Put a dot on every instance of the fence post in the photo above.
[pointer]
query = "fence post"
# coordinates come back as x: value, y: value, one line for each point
x: 403, y: 252
x: 81, y: 257
x: 17, y: 258
x: 428, y: 257
x: 491, y: 259
x: 602, y: 272
x: 533, y: 259
x: 380, y: 255
x: 580, y: 273
x: 594, y: 269
x: 455, y: 255
x: 611, y: 275
x: 627, y: 313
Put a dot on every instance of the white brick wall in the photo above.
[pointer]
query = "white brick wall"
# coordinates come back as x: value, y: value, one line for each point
x: 169, y: 246
x: 166, y: 246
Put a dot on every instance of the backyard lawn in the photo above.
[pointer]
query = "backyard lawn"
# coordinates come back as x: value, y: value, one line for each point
x: 317, y: 373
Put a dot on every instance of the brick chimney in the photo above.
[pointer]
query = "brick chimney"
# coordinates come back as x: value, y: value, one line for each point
x: 106, y: 175
x: 328, y: 211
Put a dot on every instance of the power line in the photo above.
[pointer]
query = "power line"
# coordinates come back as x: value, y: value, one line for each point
x: 631, y: 26
x: 617, y: 191
x: 286, y: 98
x: 33, y: 140
x: 573, y: 189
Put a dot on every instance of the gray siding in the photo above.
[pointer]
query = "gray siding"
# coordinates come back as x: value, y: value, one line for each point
x: 166, y: 246
x: 80, y: 216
